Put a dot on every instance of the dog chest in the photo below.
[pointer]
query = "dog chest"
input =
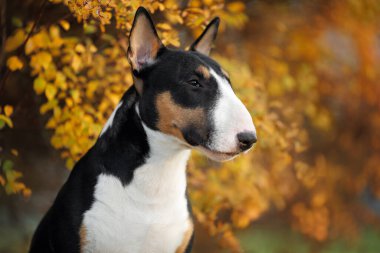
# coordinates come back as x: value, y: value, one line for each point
x: 125, y: 219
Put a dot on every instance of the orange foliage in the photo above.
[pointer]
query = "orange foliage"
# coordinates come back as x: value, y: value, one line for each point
x: 9, y: 177
x: 310, y: 81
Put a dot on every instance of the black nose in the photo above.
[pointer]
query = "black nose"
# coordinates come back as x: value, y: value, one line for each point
x: 246, y: 140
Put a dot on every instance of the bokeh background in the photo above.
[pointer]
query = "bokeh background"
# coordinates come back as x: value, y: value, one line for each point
x: 308, y: 71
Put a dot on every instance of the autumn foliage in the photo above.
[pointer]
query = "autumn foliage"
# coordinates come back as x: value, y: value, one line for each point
x: 310, y: 82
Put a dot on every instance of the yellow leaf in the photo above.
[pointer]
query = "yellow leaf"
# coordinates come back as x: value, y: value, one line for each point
x: 91, y: 88
x: 50, y: 91
x: 69, y: 102
x: 69, y: 163
x: 56, y: 142
x: 240, y: 220
x: 164, y: 26
x: 41, y: 60
x: 13, y: 42
x: 2, y: 181
x: 14, y: 152
x: 75, y: 95
x: 54, y: 32
x: 80, y: 48
x: 60, y: 81
x: 39, y: 85
x: 14, y: 63
x: 7, y: 120
x: 57, y: 112
x: 48, y: 106
x: 8, y: 110
x: 16, y: 187
x: 76, y: 63
x: 89, y: 29
x: 45, y: 59
x: 236, y: 7
x: 51, y: 124
x: 26, y: 192
x: 40, y: 40
x: 64, y: 24
x: 50, y: 72
x: 93, y: 49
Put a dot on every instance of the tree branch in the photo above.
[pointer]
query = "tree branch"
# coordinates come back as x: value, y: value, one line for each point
x: 3, y: 8
x: 20, y: 49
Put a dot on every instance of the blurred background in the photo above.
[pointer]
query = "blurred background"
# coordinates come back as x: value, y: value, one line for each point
x: 308, y: 71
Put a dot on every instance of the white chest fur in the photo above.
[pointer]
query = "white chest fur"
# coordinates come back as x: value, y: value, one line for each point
x: 148, y: 215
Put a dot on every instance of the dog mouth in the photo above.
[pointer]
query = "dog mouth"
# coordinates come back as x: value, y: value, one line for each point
x: 196, y: 141
x: 218, y: 156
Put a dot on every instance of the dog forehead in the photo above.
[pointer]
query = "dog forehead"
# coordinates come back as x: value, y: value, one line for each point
x: 183, y: 62
x: 208, y: 61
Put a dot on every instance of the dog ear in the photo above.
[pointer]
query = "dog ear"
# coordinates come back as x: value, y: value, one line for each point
x: 144, y: 42
x: 204, y: 42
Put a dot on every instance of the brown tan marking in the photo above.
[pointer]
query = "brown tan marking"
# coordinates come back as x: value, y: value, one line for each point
x: 172, y: 117
x: 204, y: 71
x: 186, y: 238
x: 82, y: 237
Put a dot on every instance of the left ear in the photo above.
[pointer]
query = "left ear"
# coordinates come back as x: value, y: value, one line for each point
x: 144, y: 42
x: 204, y: 42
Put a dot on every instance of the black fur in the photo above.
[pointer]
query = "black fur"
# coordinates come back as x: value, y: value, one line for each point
x: 172, y: 72
x: 124, y: 146
x: 119, y: 152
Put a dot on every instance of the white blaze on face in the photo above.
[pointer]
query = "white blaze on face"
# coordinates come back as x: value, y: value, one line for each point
x: 230, y: 117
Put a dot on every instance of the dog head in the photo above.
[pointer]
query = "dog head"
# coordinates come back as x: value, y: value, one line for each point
x: 186, y: 94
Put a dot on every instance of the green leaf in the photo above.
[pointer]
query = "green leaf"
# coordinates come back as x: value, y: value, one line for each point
x: 17, y: 22
x: 89, y: 29
x: 7, y: 166
x: 6, y: 120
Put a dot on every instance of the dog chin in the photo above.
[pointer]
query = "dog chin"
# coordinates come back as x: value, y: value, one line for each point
x: 217, y: 155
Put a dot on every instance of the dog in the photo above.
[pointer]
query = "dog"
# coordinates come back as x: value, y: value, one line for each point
x: 128, y: 192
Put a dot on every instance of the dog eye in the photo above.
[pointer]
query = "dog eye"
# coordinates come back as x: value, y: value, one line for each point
x: 194, y: 83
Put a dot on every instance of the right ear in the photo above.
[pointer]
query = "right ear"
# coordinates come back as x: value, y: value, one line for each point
x: 144, y: 42
x: 204, y: 42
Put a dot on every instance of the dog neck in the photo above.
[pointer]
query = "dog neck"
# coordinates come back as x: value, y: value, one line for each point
x: 152, y: 162
x: 164, y: 172
x: 163, y: 175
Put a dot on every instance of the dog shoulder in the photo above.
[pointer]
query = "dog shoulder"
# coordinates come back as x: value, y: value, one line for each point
x: 58, y: 231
